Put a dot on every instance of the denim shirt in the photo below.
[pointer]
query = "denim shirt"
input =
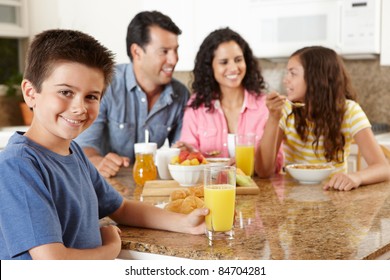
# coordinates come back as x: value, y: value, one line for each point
x: 124, y: 116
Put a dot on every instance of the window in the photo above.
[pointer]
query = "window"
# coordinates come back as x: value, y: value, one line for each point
x: 13, y: 18
x: 13, y: 37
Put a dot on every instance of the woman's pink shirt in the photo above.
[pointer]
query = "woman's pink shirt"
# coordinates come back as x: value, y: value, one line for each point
x: 208, y: 131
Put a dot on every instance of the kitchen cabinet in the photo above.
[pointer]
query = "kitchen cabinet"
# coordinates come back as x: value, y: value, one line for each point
x: 385, y: 35
x: 13, y: 18
x: 197, y: 18
x: 354, y: 159
x: 350, y: 27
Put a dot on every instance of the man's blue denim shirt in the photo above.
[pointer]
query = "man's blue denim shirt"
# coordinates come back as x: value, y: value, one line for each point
x: 124, y: 116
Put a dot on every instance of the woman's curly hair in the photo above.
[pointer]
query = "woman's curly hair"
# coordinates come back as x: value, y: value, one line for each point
x: 204, y: 85
x: 328, y: 87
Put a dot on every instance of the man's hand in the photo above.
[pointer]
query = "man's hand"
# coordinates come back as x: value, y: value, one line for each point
x: 109, y: 165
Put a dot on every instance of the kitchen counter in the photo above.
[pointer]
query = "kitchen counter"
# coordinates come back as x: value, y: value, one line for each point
x: 286, y: 220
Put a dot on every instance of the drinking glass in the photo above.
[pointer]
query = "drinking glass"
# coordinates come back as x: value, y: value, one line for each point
x: 220, y: 199
x: 245, y: 153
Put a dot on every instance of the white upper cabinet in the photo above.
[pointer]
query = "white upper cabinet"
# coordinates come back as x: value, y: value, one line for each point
x: 197, y: 18
x: 273, y: 28
x: 280, y: 27
x: 385, y: 36
x: 13, y: 18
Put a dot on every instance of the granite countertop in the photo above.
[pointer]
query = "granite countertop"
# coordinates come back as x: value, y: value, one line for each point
x: 285, y: 221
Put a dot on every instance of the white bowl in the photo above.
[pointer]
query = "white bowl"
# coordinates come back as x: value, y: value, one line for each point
x: 310, y: 173
x: 187, y: 175
x: 218, y: 161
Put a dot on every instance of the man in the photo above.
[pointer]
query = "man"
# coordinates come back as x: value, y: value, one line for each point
x: 143, y: 95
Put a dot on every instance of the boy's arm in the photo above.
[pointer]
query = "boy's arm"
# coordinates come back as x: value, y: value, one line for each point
x: 57, y: 251
x: 138, y: 214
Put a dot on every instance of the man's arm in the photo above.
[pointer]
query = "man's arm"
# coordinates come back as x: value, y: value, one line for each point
x: 109, y: 165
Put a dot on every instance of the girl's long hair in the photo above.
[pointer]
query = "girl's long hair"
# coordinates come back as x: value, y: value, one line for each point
x: 328, y: 88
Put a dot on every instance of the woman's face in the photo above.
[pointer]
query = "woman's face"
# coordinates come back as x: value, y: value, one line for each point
x: 229, y: 65
x: 294, y: 80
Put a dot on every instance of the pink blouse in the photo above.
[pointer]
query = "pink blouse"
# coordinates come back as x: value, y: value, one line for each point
x: 208, y: 131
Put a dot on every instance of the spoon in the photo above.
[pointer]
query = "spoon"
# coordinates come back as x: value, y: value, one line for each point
x: 213, y: 153
x: 296, y: 104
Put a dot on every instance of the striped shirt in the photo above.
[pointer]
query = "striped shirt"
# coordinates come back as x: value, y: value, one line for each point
x: 297, y: 151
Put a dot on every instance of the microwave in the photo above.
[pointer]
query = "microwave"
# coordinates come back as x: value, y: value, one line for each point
x: 350, y: 27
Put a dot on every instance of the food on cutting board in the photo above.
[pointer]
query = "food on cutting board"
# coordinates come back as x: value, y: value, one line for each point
x: 242, y: 179
x: 195, y: 191
x: 185, y: 201
x: 189, y: 158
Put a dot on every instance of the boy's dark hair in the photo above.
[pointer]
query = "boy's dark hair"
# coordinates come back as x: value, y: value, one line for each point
x: 138, y: 31
x: 55, y: 45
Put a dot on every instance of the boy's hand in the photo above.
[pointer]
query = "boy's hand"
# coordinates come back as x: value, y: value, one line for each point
x: 110, y: 165
x: 196, y: 221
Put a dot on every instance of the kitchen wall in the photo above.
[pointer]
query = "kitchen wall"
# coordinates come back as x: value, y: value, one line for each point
x: 371, y: 81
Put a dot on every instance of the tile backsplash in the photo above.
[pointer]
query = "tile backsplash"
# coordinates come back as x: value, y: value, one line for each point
x: 370, y: 79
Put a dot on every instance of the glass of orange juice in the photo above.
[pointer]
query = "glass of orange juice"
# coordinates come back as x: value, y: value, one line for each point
x: 220, y: 199
x: 245, y: 153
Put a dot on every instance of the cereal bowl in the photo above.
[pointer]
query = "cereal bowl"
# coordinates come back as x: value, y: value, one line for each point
x: 310, y: 173
x: 187, y: 175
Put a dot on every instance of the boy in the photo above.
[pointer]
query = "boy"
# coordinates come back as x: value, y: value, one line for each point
x: 51, y: 196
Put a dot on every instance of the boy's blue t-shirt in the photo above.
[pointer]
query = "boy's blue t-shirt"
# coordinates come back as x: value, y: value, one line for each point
x: 47, y: 198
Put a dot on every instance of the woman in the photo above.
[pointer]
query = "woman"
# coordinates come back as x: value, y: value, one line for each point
x: 227, y: 99
x: 322, y: 131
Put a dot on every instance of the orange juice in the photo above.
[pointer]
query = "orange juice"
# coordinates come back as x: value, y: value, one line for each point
x: 220, y: 200
x: 245, y: 158
x: 144, y: 168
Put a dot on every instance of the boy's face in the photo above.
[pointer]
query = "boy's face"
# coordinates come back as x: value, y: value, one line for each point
x: 67, y: 104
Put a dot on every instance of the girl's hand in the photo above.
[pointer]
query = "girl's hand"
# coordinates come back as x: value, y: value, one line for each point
x: 275, y: 103
x: 343, y: 182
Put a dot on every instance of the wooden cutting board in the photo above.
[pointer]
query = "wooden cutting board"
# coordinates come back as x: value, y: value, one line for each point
x: 165, y: 187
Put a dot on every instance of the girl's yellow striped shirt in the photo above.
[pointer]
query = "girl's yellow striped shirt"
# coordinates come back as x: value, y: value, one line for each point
x: 297, y: 151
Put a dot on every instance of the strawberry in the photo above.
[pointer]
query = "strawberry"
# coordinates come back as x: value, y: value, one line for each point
x: 222, y: 178
x: 183, y: 156
x: 196, y: 155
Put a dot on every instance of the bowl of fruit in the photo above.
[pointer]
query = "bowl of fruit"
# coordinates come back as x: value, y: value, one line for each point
x: 187, y: 168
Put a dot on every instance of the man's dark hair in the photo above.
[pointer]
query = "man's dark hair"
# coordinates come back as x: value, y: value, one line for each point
x: 138, y: 31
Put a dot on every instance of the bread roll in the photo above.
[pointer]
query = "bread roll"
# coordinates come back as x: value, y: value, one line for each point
x: 190, y: 203
x: 174, y: 206
x: 179, y: 194
x: 196, y: 191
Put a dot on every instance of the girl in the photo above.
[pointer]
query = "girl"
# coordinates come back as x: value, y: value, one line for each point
x: 321, y: 131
